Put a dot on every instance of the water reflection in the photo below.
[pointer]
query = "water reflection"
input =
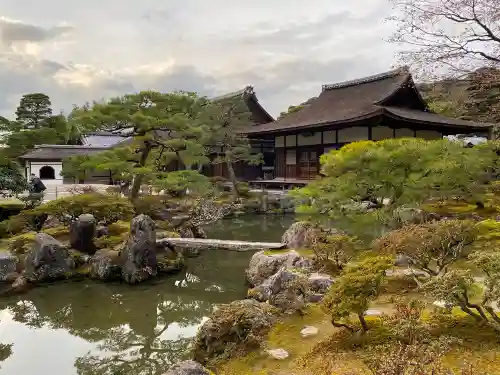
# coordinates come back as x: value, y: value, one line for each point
x: 93, y: 328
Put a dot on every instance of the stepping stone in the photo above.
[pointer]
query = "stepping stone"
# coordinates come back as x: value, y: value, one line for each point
x: 373, y: 312
x: 309, y: 331
x: 278, y: 354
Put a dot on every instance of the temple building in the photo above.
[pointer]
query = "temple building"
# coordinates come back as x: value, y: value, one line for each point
x: 378, y: 107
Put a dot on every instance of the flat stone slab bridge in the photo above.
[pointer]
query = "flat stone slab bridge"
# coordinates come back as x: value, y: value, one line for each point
x: 210, y: 244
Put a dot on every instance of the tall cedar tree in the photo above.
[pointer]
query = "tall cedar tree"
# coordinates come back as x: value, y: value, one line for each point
x: 164, y: 129
x: 227, y: 119
x: 33, y: 110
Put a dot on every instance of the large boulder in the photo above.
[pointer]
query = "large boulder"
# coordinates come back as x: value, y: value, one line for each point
x: 234, y: 329
x: 105, y: 264
x: 48, y: 260
x: 301, y: 235
x: 264, y: 264
x: 188, y: 368
x: 138, y: 257
x: 8, y: 267
x: 82, y: 232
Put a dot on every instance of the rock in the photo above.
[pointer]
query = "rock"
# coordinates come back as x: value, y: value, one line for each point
x: 279, y: 354
x: 403, y: 261
x: 138, y: 258
x: 101, y: 231
x: 82, y: 232
x: 20, y: 284
x: 315, y: 298
x: 235, y: 328
x: 300, y: 235
x: 287, y: 290
x: 8, y: 266
x: 309, y: 331
x: 188, y: 368
x: 319, y: 283
x: 105, y: 265
x: 265, y: 264
x: 48, y: 260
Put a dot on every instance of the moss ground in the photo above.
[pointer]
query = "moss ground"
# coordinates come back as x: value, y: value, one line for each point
x: 335, y: 351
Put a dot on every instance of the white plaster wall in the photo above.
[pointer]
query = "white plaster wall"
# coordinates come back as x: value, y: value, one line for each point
x: 429, y: 134
x: 279, y: 141
x: 404, y: 133
x: 291, y: 140
x: 353, y: 134
x: 34, y: 167
x: 309, y: 140
x: 380, y: 133
x: 329, y: 136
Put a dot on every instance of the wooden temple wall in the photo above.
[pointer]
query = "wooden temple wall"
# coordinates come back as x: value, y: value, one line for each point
x: 297, y: 155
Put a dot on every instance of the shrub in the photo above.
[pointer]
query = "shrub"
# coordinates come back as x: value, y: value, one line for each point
x: 431, y: 246
x: 21, y: 244
x: 151, y: 205
x: 336, y: 251
x: 177, y: 183
x: 119, y: 227
x: 105, y: 208
x: 243, y: 189
x: 353, y: 292
x: 10, y: 207
x: 15, y: 225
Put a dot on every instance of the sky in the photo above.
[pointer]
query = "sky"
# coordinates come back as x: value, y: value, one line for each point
x: 79, y: 51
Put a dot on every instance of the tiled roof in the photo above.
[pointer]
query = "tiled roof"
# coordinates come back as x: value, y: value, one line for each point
x: 248, y: 95
x: 433, y: 118
x: 355, y: 100
x: 59, y: 152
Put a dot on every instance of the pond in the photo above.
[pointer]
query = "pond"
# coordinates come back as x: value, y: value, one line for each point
x: 95, y: 328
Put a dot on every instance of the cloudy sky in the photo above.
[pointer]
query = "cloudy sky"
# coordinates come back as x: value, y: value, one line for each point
x: 77, y: 51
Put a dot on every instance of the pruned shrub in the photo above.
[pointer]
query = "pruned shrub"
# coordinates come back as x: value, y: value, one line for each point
x: 177, y: 183
x: 334, y: 252
x: 432, y: 247
x: 105, y: 208
x: 353, y: 292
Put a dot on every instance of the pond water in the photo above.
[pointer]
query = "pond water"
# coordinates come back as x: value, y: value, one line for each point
x: 93, y: 328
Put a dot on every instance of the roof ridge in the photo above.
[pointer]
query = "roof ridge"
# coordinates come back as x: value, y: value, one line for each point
x: 69, y: 146
x: 248, y: 90
x: 403, y: 70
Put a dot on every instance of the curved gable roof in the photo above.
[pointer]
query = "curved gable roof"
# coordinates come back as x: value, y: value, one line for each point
x: 248, y: 95
x: 345, y: 101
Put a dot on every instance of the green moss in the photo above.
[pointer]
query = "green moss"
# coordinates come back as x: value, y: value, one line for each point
x: 276, y: 251
x: 109, y: 242
x: 450, y: 207
x: 11, y: 204
x: 56, y: 232
x: 21, y: 243
x: 119, y: 227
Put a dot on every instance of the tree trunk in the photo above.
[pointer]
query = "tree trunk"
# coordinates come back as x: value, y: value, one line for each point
x: 232, y: 177
x: 362, y: 320
x: 136, y: 185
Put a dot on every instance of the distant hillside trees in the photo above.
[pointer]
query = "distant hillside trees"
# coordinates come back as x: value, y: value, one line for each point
x: 459, y: 39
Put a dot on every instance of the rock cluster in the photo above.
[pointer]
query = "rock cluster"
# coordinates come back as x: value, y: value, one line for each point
x: 234, y: 328
x: 139, y: 258
x: 285, y: 280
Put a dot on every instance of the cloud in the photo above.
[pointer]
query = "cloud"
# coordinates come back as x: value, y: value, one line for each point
x: 14, y: 31
x: 285, y: 49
